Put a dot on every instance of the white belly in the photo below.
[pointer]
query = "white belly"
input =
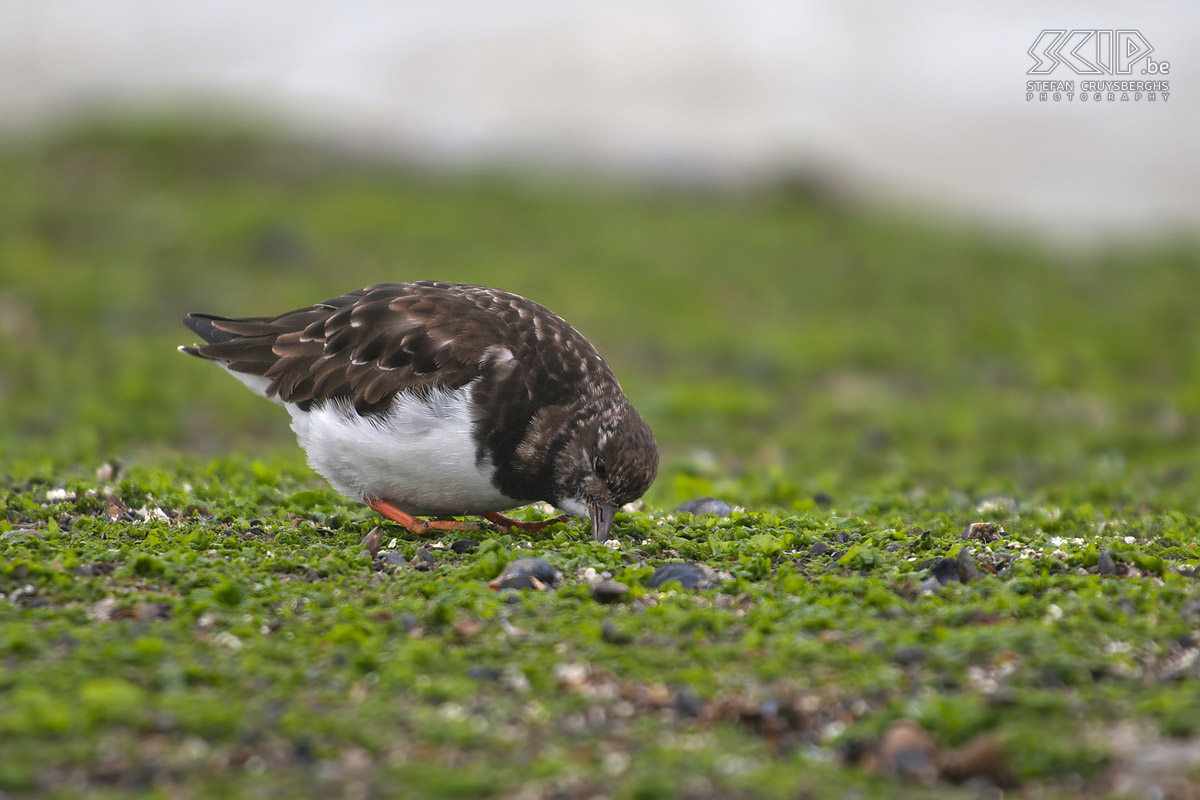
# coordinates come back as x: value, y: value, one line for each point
x: 418, y: 456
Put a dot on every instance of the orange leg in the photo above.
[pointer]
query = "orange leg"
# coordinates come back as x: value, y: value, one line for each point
x: 509, y: 522
x: 415, y: 525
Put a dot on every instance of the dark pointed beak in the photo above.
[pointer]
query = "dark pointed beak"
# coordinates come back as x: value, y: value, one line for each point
x: 602, y: 520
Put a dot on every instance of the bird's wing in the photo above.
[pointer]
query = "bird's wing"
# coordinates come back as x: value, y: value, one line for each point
x: 366, y: 346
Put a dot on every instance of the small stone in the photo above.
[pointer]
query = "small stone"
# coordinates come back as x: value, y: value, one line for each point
x: 114, y: 507
x: 484, y: 674
x: 818, y: 549
x: 967, y: 571
x: 689, y: 575
x: 464, y: 546
x: 844, y: 536
x: 372, y: 541
x: 822, y: 499
x: 930, y: 585
x: 687, y: 703
x: 982, y: 757
x: 1107, y: 565
x: 908, y: 751
x: 945, y: 570
x: 148, y: 611
x: 466, y: 627
x: 527, y: 573
x: 983, y: 532
x: 572, y: 675
x: 609, y: 591
x: 908, y: 655
x: 23, y: 596
x: 614, y: 635
x: 423, y: 560
x: 706, y: 505
x: 393, y: 559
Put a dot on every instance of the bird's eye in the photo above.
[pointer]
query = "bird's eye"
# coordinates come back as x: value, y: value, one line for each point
x: 600, y: 468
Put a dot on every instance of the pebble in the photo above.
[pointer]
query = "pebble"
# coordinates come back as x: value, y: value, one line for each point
x: 484, y: 673
x: 609, y: 591
x: 909, y: 655
x: 706, y: 505
x: 823, y: 499
x: 614, y: 635
x: 967, y: 571
x: 687, y: 703
x: 464, y: 546
x: 983, y: 532
x: 1107, y: 565
x: 527, y: 573
x: 423, y: 561
x: 982, y: 757
x: 818, y: 549
x: 372, y: 541
x: 908, y: 751
x: 393, y: 559
x: 466, y: 627
x: 945, y: 570
x: 930, y: 585
x: 689, y: 575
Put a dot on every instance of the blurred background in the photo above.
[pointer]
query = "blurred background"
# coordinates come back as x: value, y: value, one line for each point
x: 827, y: 245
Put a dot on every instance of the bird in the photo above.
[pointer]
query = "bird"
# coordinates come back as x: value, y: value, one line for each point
x: 439, y: 399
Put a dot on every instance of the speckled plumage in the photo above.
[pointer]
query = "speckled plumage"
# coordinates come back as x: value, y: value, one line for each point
x: 547, y: 418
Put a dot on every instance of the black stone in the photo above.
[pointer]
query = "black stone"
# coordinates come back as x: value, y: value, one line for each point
x: 392, y: 559
x: 945, y: 570
x: 822, y: 499
x: 706, y: 505
x: 423, y: 561
x: 1107, y: 565
x: 484, y: 673
x: 464, y: 546
x: 687, y: 702
x: 818, y: 549
x: 614, y: 635
x: 909, y: 655
x: 690, y: 576
x: 930, y: 584
x: 521, y: 574
x: 967, y: 571
x: 609, y: 591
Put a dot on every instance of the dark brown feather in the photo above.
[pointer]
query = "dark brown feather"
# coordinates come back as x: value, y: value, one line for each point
x: 366, y: 346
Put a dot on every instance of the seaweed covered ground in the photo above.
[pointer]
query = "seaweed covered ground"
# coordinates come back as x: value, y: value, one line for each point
x: 952, y: 548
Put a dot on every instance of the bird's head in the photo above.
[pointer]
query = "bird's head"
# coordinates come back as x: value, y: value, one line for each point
x: 610, y: 459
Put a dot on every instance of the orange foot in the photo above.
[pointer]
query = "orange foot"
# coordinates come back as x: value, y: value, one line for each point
x: 416, y: 525
x: 509, y: 522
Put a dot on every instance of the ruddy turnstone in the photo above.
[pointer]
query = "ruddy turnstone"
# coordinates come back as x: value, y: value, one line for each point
x: 438, y: 399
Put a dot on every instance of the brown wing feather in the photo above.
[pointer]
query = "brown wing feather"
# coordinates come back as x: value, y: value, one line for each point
x: 368, y: 345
